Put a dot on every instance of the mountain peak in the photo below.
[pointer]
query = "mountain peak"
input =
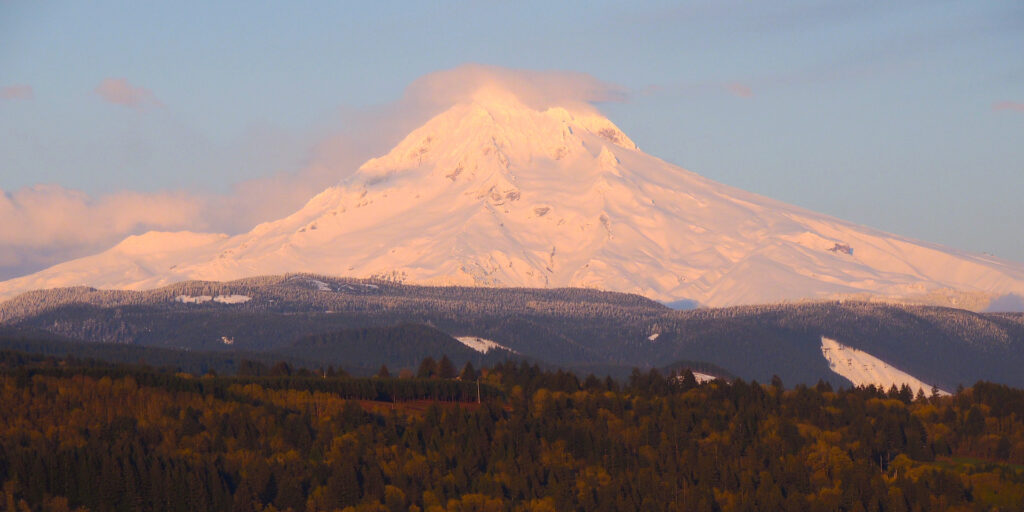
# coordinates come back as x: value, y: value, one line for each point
x: 495, y: 127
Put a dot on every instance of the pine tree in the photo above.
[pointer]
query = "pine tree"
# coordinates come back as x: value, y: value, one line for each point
x: 445, y: 369
x: 428, y: 369
x: 689, y: 380
x: 468, y: 372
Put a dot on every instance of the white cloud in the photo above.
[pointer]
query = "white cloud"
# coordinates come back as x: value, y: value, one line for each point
x: 120, y: 92
x: 45, y: 224
x: 539, y: 89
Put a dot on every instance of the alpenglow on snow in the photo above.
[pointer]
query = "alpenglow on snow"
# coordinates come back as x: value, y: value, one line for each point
x: 493, y: 192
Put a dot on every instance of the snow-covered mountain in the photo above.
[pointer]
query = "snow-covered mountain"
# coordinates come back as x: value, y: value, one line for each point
x: 493, y: 192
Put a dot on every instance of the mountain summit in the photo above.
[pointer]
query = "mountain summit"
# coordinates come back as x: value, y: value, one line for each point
x: 494, y: 192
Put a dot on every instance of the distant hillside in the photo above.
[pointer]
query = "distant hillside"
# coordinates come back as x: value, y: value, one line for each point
x: 576, y: 328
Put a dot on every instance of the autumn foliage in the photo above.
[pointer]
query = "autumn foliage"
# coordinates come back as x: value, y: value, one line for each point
x: 112, y: 438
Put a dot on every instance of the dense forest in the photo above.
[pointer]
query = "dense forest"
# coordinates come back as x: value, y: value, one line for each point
x: 85, y: 435
x: 306, y: 317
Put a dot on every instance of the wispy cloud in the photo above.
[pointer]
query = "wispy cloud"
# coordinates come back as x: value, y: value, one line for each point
x: 538, y: 89
x: 120, y: 92
x: 1008, y: 105
x: 738, y: 89
x: 17, y: 92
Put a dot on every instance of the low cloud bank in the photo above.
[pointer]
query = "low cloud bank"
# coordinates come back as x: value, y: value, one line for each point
x: 47, y: 224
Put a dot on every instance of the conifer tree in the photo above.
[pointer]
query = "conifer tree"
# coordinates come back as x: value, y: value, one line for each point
x: 445, y: 369
x: 428, y: 368
x: 468, y: 372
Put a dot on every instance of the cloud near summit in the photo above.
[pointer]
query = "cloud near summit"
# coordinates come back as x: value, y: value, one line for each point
x: 434, y: 92
x: 538, y: 89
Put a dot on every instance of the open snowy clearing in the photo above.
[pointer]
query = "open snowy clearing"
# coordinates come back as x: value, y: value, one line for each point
x: 703, y: 377
x: 223, y: 299
x: 482, y: 345
x: 862, y: 368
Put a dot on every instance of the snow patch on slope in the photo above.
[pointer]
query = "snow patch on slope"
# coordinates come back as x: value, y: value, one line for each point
x: 703, y: 377
x: 862, y: 368
x: 482, y: 345
x: 223, y: 299
x: 700, y: 377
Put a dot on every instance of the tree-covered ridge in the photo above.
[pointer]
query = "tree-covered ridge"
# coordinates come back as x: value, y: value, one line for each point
x: 106, y: 437
x: 604, y: 331
x: 307, y: 292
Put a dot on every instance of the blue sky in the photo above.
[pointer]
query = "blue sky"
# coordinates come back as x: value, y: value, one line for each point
x: 904, y: 116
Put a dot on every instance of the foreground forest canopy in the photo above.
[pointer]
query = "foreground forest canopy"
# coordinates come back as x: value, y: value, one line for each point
x: 511, y: 437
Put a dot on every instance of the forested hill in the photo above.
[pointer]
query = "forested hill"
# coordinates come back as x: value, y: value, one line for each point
x: 305, y: 292
x: 575, y: 328
x: 507, y: 438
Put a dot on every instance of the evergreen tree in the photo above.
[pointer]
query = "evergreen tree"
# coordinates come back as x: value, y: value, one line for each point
x: 689, y: 380
x: 427, y: 369
x: 445, y: 368
x: 468, y: 372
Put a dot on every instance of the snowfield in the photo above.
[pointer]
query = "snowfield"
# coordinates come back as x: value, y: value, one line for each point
x: 482, y: 345
x: 862, y: 368
x: 495, y: 192
x: 703, y: 377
